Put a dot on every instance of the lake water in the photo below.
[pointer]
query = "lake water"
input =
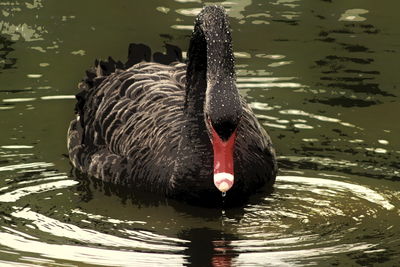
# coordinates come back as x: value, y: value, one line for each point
x: 321, y: 77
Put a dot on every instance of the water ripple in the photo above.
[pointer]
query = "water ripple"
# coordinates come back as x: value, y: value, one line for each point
x: 26, y: 166
x: 314, y: 116
x: 89, y: 236
x: 35, y: 189
x: 90, y: 255
x: 338, y: 186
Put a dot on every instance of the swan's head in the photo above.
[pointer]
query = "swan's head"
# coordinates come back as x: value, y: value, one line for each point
x: 222, y: 107
x: 223, y: 112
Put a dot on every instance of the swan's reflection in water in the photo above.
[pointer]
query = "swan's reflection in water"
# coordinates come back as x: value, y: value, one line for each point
x: 223, y: 254
x: 209, y: 247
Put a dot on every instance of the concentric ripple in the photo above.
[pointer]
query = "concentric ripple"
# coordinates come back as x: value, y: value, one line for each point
x: 312, y: 219
x: 60, y: 232
x: 306, y: 220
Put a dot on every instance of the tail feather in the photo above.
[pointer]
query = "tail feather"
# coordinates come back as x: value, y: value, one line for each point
x: 137, y: 53
x: 173, y: 54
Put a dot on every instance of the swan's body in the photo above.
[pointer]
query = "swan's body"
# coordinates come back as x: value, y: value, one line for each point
x: 148, y: 126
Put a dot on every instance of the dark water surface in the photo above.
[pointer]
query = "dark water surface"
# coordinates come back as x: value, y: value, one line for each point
x: 320, y: 75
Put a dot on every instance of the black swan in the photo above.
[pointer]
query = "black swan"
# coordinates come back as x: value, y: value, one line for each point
x: 172, y: 128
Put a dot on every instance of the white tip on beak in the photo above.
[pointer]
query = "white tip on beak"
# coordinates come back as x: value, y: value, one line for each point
x: 223, y: 181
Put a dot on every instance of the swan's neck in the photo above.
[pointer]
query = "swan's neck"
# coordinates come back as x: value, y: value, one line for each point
x: 210, y: 59
x: 211, y: 92
x: 196, y: 73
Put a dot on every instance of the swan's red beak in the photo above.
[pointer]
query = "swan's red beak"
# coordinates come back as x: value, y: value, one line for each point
x: 223, y: 161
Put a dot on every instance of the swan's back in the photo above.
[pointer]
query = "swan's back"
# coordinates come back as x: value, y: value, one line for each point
x: 128, y: 124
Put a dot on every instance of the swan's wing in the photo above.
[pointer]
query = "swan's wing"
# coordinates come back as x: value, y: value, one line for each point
x: 128, y: 121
